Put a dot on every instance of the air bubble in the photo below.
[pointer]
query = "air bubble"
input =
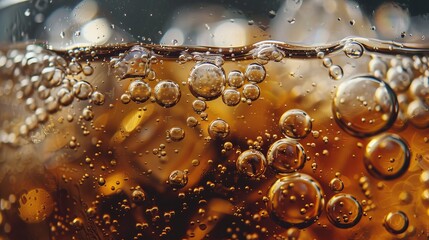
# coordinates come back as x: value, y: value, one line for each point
x: 353, y: 50
x: 255, y: 73
x: 176, y: 134
x: 251, y: 163
x: 365, y: 106
x: 125, y: 98
x: 343, y: 211
x: 97, y: 98
x: 336, y: 185
x: 167, y: 93
x: 140, y: 91
x: 398, y: 78
x: 236, y: 79
x: 199, y: 106
x: 286, y: 156
x: 418, y: 114
x: 251, y: 91
x: 207, y: 81
x: 231, y: 97
x: 178, y: 179
x: 387, y: 156
x: 295, y: 123
x: 376, y: 64
x: 82, y: 90
x: 396, y: 222
x: 336, y: 72
x: 138, y: 196
x: 291, y: 194
x: 218, y: 129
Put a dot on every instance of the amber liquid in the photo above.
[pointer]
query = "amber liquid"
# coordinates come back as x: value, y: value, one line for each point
x: 100, y: 166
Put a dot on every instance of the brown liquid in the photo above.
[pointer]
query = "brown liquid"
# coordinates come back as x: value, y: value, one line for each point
x: 86, y: 155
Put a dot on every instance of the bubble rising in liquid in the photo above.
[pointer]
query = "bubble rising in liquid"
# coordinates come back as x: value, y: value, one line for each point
x: 231, y: 97
x: 167, y: 93
x: 255, y: 73
x: 207, y: 81
x: 178, y: 179
x: 295, y: 200
x: 235, y: 79
x: 387, y: 156
x: 252, y: 163
x: 218, y: 129
x: 286, y: 156
x: 353, y: 50
x: 396, y: 222
x: 251, y: 91
x: 364, y: 106
x: 139, y: 90
x: 295, y: 123
x: 344, y: 211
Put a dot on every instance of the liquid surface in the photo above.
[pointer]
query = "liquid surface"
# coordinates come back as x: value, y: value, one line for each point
x: 266, y: 141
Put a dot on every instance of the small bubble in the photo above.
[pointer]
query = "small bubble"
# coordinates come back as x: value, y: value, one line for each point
x: 295, y: 123
x: 207, y: 81
x: 140, y: 91
x: 178, y: 179
x: 218, y: 129
x: 125, y: 98
x: 255, y: 73
x: 343, y: 211
x: 97, y: 98
x: 236, y: 79
x: 353, y: 50
x: 251, y: 91
x: 398, y: 78
x: 176, y: 134
x: 82, y: 90
x: 252, y: 163
x: 138, y: 196
x: 199, y: 106
x: 336, y: 185
x: 167, y: 93
x: 191, y: 122
x: 396, y: 222
x: 286, y: 156
x: 387, y: 156
x: 335, y: 72
x: 231, y: 97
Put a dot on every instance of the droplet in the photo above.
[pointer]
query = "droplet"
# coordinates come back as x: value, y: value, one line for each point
x: 255, y: 73
x: 336, y: 185
x: 252, y: 163
x: 236, y: 79
x: 291, y: 193
x: 353, y: 49
x: 336, y: 72
x: 295, y: 123
x: 218, y: 129
x: 231, y: 97
x: 82, y: 90
x: 343, y: 211
x: 387, y: 156
x: 396, y: 222
x: 176, y: 134
x: 286, y: 156
x: 139, y: 91
x: 251, y: 91
x: 167, y: 93
x: 365, y: 106
x: 178, y: 179
x: 207, y: 81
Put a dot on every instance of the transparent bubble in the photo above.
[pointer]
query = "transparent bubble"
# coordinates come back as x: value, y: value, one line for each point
x: 336, y: 72
x: 343, y: 211
x: 353, y: 50
x: 377, y: 65
x: 231, y: 97
x: 327, y: 62
x: 398, y: 78
x: 125, y: 98
x: 364, y: 106
x: 176, y: 134
x: 255, y: 73
x: 295, y: 123
x: 199, y: 105
x: 207, y: 81
x: 295, y: 200
x: 82, y: 90
x: 65, y: 97
x: 139, y: 91
x: 336, y: 185
x: 251, y: 91
x: 387, y: 156
x: 167, y: 93
x: 418, y: 114
x: 35, y: 205
x: 419, y: 88
x: 191, y: 122
x: 178, y: 179
x: 218, y: 129
x: 252, y: 163
x: 286, y: 156
x: 236, y: 79
x: 396, y: 222
x: 97, y: 98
